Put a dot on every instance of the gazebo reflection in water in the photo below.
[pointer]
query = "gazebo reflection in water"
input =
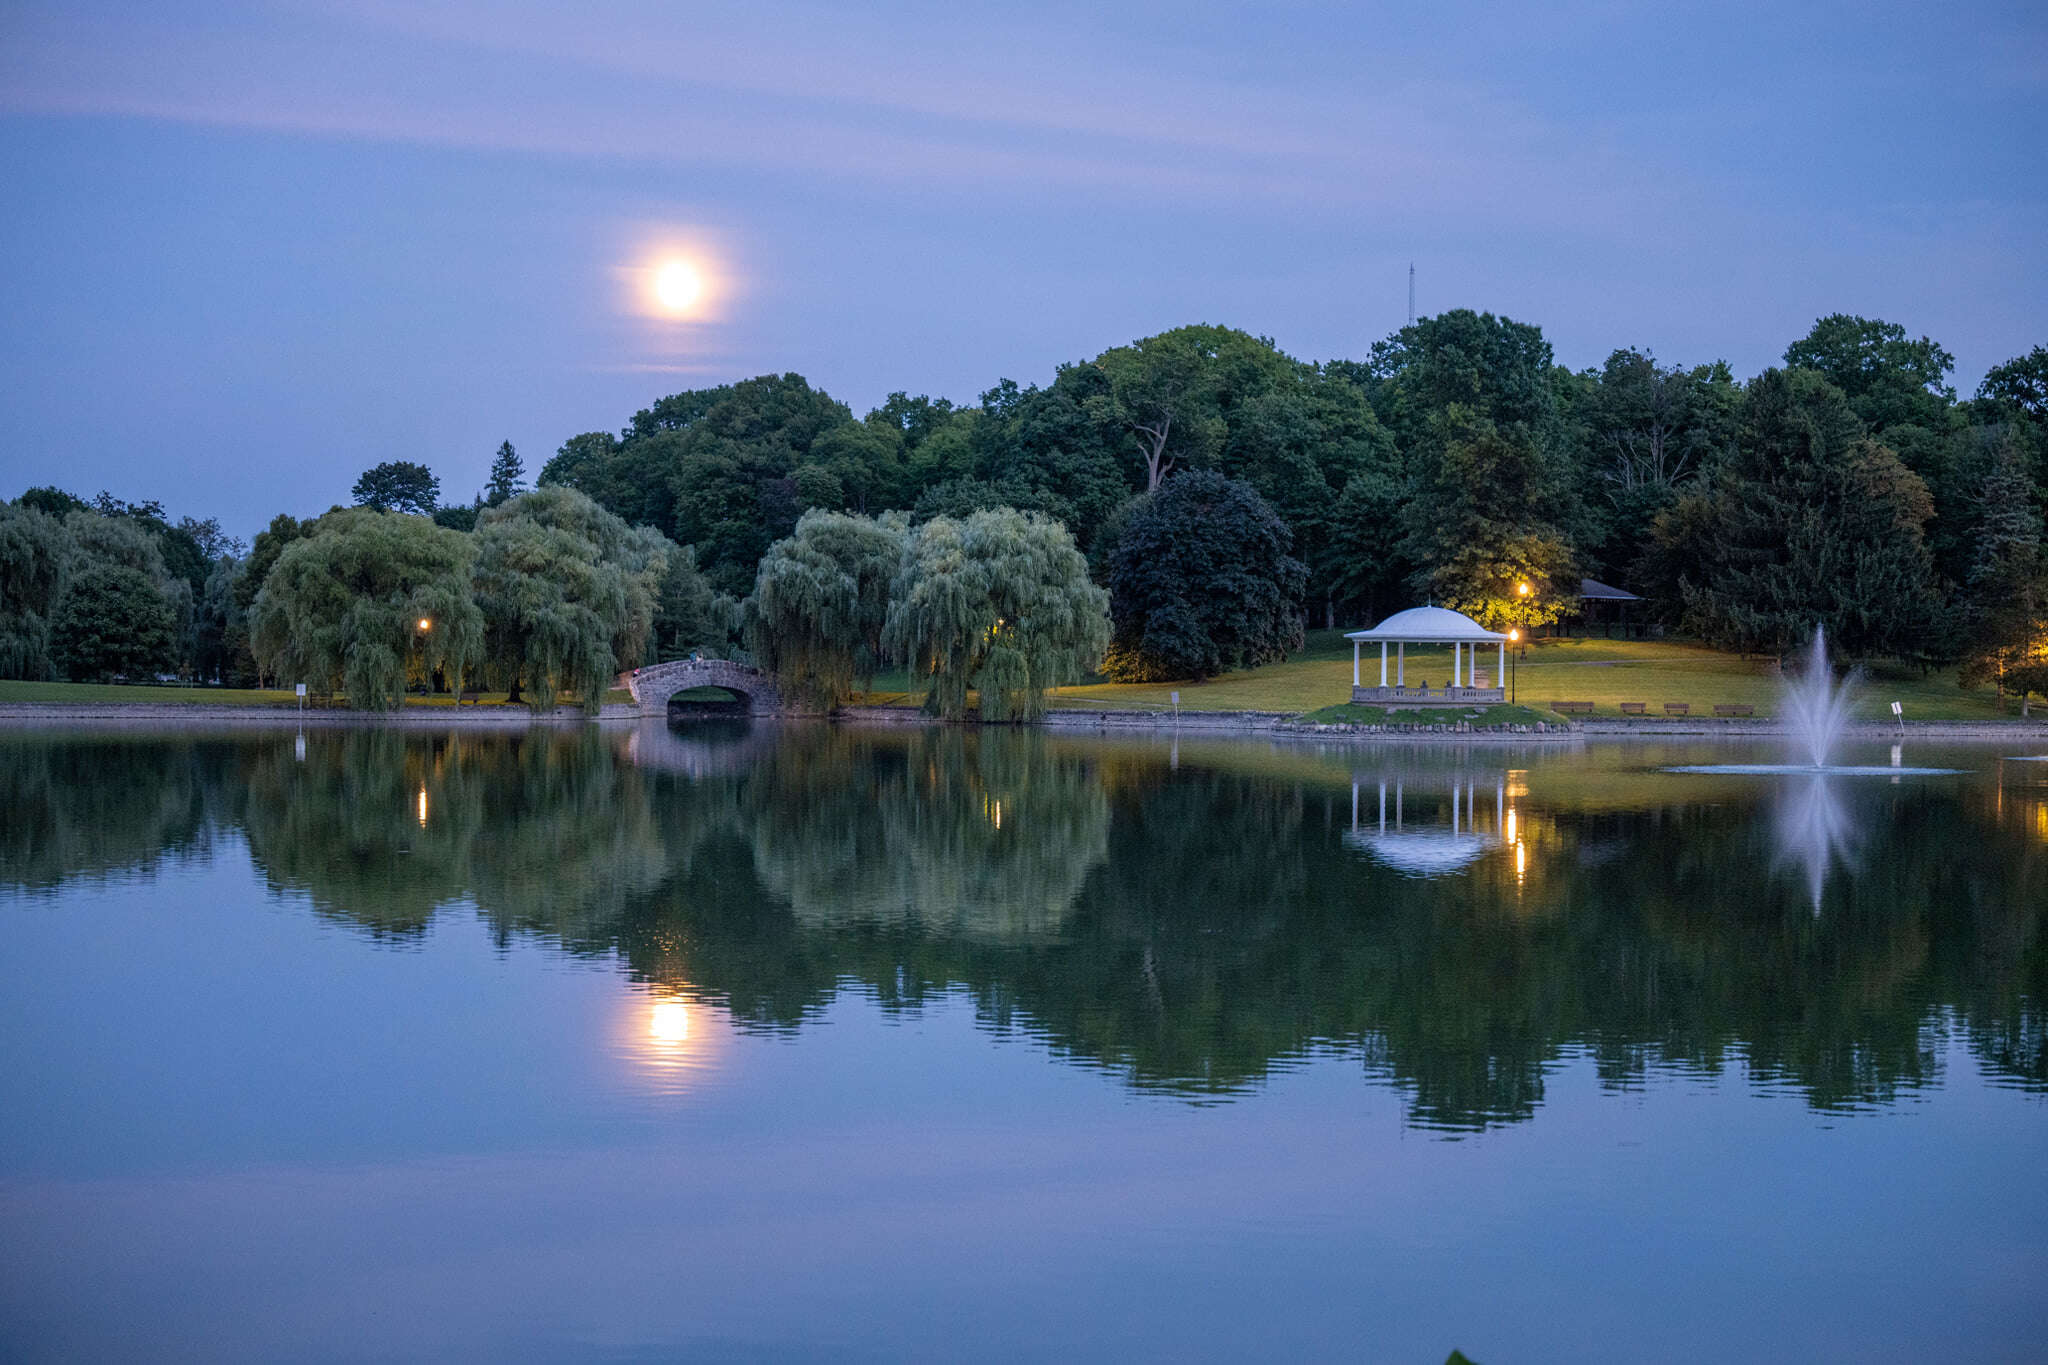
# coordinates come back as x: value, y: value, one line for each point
x: 1381, y: 827
x: 1429, y: 626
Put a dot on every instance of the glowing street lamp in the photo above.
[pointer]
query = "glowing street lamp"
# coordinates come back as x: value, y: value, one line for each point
x: 421, y: 627
x: 1514, y: 664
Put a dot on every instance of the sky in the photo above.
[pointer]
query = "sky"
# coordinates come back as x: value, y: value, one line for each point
x: 249, y: 249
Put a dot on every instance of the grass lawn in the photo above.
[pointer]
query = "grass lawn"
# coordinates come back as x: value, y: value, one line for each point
x: 88, y: 693
x: 13, y: 690
x: 1604, y: 672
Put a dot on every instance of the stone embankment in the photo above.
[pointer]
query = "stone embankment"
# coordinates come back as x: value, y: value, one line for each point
x: 1287, y: 723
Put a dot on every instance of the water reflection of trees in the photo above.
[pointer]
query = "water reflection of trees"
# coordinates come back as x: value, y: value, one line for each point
x: 1190, y: 931
x: 85, y: 806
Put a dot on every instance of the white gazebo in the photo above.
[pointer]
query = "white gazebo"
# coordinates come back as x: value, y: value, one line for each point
x: 1430, y: 626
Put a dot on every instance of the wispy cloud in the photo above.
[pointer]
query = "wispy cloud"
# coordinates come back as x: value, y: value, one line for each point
x: 989, y: 110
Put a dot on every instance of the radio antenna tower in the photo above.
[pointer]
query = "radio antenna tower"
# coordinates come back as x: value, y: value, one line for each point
x: 1411, y: 293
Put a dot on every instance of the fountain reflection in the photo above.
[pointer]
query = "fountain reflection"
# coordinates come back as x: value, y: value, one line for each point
x: 1814, y: 832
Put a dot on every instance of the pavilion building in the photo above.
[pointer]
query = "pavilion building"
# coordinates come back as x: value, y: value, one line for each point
x: 1429, y: 626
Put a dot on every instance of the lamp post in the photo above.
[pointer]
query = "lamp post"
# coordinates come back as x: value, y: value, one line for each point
x: 1514, y: 662
x: 420, y: 629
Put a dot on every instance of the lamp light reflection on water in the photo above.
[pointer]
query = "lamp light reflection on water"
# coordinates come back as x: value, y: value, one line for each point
x: 423, y: 807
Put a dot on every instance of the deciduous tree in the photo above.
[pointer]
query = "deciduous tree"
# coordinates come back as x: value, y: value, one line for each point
x: 568, y: 592
x: 398, y: 486
x: 1202, y: 581
x: 342, y: 607
x: 1889, y: 378
x: 998, y: 603
x: 35, y: 552
x: 821, y: 603
x: 113, y: 621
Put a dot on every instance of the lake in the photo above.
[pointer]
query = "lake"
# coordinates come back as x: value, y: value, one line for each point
x: 809, y: 1042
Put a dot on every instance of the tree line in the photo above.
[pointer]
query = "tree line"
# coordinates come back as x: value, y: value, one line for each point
x: 1220, y: 495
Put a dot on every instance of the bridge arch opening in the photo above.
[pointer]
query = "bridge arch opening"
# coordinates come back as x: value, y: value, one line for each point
x: 710, y: 702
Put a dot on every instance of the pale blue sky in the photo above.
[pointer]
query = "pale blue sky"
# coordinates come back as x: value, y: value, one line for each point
x: 252, y: 248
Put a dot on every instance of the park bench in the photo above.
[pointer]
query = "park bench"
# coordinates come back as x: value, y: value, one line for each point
x: 473, y: 695
x: 1730, y: 708
x: 1677, y: 708
x: 1634, y: 708
x: 1572, y: 708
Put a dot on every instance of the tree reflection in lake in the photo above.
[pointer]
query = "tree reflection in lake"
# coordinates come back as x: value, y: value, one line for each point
x: 1190, y: 928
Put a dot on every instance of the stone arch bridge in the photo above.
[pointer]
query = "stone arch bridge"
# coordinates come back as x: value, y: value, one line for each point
x: 654, y: 685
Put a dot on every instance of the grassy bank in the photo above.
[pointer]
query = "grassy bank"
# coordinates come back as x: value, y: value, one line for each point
x: 13, y: 690
x: 96, y: 694
x: 1604, y: 672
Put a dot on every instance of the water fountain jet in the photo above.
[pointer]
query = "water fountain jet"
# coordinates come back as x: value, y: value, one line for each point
x: 1815, y: 708
x: 1816, y: 711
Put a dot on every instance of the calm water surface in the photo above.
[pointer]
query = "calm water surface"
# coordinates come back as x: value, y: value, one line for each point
x: 804, y: 1042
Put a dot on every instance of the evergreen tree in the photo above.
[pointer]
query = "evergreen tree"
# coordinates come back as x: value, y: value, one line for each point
x: 2006, y: 599
x: 1808, y: 522
x: 508, y: 476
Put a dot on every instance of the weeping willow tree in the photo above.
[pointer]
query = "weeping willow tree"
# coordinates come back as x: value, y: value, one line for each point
x: 569, y: 594
x: 999, y: 603
x: 821, y: 604
x: 367, y: 603
x: 35, y: 551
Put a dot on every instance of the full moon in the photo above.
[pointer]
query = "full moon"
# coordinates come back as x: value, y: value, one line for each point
x: 677, y: 286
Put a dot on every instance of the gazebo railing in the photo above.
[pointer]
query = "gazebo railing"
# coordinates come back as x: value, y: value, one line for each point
x: 1429, y: 696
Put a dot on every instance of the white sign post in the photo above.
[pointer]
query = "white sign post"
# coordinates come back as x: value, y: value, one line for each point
x: 302, y: 696
x: 1899, y: 714
x: 1176, y: 708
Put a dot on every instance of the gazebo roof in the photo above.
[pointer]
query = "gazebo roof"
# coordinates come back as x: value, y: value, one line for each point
x: 1428, y: 625
x: 1593, y: 590
x: 1424, y: 853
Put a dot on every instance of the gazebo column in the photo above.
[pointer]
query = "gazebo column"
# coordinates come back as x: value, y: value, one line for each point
x: 1354, y: 662
x: 1457, y: 661
x: 1383, y: 663
x: 1401, y: 668
x: 1500, y: 666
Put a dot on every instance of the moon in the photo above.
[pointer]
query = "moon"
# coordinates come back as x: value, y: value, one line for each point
x: 677, y: 286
